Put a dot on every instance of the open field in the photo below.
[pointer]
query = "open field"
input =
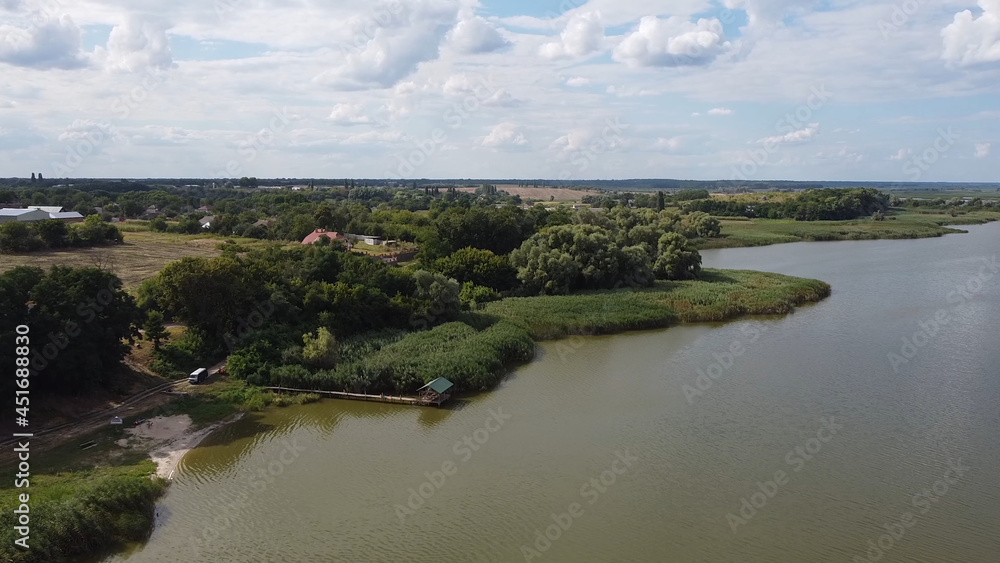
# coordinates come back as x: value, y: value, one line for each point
x: 738, y: 232
x: 142, y: 255
x: 542, y: 194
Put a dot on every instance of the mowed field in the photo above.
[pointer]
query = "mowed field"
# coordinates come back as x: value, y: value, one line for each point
x: 142, y: 255
x: 542, y: 194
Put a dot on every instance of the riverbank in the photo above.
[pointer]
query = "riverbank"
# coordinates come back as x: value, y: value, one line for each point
x: 170, y: 438
x: 738, y: 233
x: 478, y: 350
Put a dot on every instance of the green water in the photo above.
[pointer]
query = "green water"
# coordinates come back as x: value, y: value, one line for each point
x: 332, y: 481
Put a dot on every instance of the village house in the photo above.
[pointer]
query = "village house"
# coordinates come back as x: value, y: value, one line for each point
x: 318, y: 234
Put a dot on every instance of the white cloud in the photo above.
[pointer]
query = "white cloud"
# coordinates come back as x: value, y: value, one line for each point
x: 577, y: 81
x: 54, y: 43
x: 476, y: 35
x: 969, y: 40
x: 136, y: 44
x: 503, y: 98
x: 583, y: 35
x: 349, y: 114
x: 902, y: 154
x: 799, y: 136
x: 672, y: 143
x: 672, y: 42
x: 983, y: 149
x: 393, y: 53
x: 370, y: 137
x: 505, y: 135
x: 720, y: 111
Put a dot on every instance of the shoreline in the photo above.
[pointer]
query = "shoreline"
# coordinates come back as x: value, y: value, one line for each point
x: 168, y: 454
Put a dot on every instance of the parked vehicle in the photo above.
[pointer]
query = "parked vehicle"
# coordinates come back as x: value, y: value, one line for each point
x: 198, y: 375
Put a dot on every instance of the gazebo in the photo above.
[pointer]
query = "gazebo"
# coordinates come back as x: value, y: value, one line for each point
x: 436, y: 392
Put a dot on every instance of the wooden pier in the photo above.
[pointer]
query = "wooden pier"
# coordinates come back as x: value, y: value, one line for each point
x: 434, y: 393
x: 393, y: 399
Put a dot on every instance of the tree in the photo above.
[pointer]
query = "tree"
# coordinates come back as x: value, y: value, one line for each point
x: 40, y: 177
x: 85, y: 315
x: 661, y: 201
x: 321, y: 351
x: 158, y: 224
x: 570, y: 257
x: 481, y: 267
x: 53, y: 233
x: 440, y: 297
x: 676, y: 258
x: 700, y: 225
x: 32, y: 176
x: 154, y: 329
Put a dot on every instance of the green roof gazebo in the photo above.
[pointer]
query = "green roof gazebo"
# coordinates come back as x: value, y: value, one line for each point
x: 435, y: 392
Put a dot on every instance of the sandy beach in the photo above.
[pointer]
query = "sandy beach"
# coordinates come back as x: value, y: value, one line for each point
x: 171, y: 437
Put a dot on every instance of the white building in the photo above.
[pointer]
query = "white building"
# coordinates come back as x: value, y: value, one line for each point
x: 46, y: 208
x: 24, y: 215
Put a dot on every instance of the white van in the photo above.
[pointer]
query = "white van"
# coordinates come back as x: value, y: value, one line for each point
x: 197, y: 376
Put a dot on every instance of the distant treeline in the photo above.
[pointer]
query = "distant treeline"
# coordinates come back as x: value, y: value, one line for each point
x: 810, y: 205
x: 16, y: 236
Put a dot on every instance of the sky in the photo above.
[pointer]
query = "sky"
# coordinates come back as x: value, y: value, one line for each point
x: 852, y: 90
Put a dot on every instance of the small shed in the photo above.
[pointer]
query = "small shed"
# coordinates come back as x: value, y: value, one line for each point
x: 436, y: 392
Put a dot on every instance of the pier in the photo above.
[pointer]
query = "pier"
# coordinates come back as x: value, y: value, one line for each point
x: 423, y: 401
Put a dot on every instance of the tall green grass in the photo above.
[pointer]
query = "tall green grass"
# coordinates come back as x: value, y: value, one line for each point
x: 717, y: 296
x: 473, y: 356
x: 80, y: 514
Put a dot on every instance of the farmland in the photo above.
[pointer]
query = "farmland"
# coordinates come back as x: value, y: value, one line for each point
x: 142, y: 255
x: 565, y: 195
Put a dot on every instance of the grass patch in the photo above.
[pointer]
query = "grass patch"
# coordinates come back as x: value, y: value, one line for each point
x: 718, y: 296
x: 81, y: 513
x: 903, y: 225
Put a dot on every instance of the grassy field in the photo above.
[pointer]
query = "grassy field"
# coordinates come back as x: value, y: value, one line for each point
x: 142, y: 256
x: 719, y: 295
x: 910, y: 224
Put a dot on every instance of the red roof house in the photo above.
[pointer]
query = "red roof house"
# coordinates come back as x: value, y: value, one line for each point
x: 320, y: 233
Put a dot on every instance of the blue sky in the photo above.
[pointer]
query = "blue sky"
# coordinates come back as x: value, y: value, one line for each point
x: 575, y: 89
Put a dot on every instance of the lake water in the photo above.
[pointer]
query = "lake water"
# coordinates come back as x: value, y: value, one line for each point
x: 614, y: 448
